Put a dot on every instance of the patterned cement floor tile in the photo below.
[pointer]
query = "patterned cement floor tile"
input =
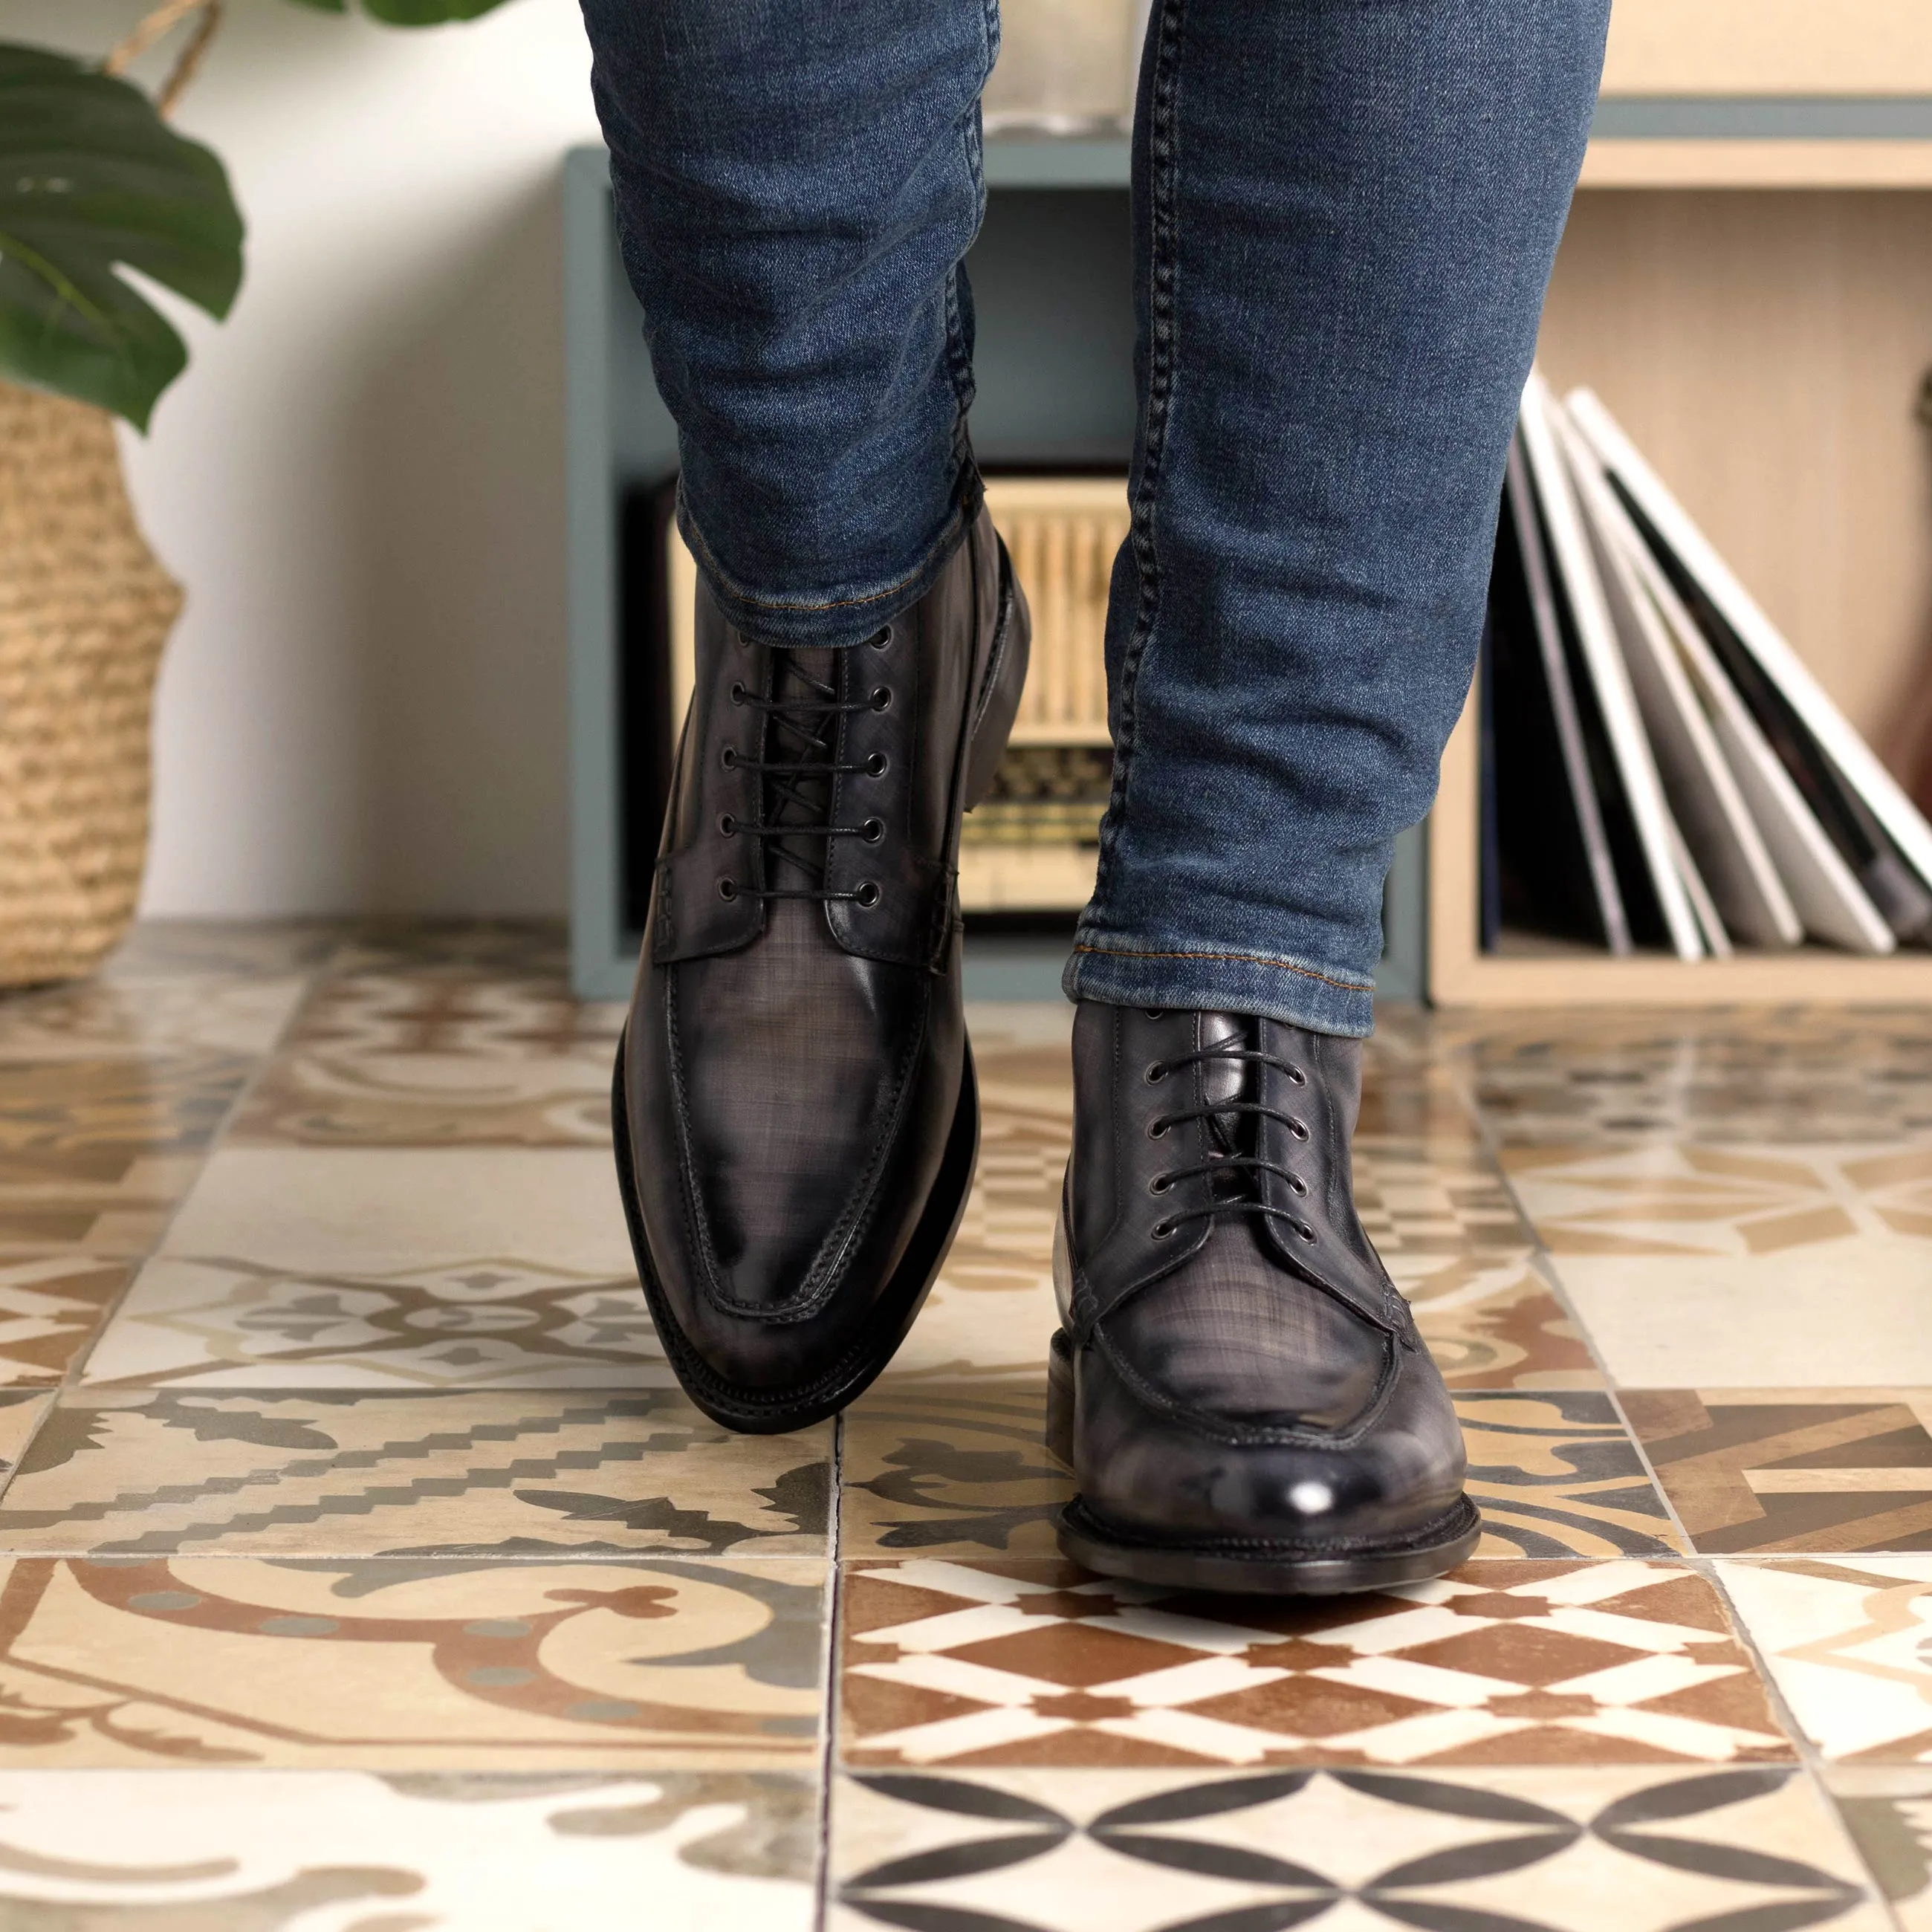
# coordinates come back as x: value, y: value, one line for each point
x: 50, y: 1306
x: 1818, y: 1469
x: 1752, y: 1266
x: 1888, y: 1809
x: 497, y: 949
x: 1556, y: 1474
x: 1003, y: 1661
x: 21, y: 1413
x: 991, y: 1312
x: 492, y: 1474
x: 95, y: 1018
x: 464, y: 1011
x: 1848, y: 1640
x: 1764, y: 1076
x: 949, y: 1469
x: 319, y: 1851
x: 1568, y: 1850
x: 428, y: 1099
x: 94, y: 1154
x: 482, y: 1322
x: 478, y: 1666
x: 404, y: 1268
x: 156, y: 949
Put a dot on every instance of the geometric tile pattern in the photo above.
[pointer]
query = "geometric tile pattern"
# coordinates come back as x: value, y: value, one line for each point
x: 1750, y: 1265
x: 992, y: 1662
x: 1889, y: 1812
x: 49, y: 1306
x: 497, y: 1474
x: 1817, y: 1469
x: 1750, y: 1850
x: 1848, y: 1640
x: 320, y: 1662
x: 1793, y: 1074
x: 240, y: 1851
x: 350, y: 1465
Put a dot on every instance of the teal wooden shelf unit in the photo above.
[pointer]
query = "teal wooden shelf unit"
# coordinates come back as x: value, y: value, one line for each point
x: 1055, y: 374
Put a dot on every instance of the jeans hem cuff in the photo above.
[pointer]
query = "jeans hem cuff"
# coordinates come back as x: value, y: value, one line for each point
x: 1289, y: 990
x: 844, y: 620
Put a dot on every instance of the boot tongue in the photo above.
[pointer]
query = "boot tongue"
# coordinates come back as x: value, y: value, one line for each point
x: 1224, y: 1080
x: 801, y: 680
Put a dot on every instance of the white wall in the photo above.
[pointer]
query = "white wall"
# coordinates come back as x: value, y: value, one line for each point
x: 360, y: 478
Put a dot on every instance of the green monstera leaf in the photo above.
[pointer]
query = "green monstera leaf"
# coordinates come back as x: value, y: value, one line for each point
x: 92, y: 180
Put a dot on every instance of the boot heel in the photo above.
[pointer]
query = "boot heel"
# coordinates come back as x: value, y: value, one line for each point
x: 1005, y: 679
x: 1059, y: 1399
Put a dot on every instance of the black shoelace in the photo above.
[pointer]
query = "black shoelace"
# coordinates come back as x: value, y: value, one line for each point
x: 801, y: 731
x: 1239, y: 1171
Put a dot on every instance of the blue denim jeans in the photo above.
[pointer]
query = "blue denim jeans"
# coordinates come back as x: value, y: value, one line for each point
x: 1345, y: 215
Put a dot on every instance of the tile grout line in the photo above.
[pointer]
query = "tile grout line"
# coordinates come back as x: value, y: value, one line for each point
x: 71, y: 1376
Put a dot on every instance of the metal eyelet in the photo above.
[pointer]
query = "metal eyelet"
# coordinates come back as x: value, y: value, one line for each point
x: 882, y: 698
x: 1159, y: 1184
x: 728, y: 758
x: 1299, y: 1128
x: 1161, y: 1230
x: 1297, y: 1077
x: 879, y: 639
x: 726, y: 823
x: 1155, y: 1074
x: 728, y: 888
x: 1157, y: 1129
x: 873, y: 830
x: 737, y: 693
x: 877, y: 765
x: 1296, y: 1185
x: 866, y: 895
x: 1306, y: 1233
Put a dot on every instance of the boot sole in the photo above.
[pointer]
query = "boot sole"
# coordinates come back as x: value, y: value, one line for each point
x: 1231, y: 1567
x: 765, y: 1411
x: 761, y: 1412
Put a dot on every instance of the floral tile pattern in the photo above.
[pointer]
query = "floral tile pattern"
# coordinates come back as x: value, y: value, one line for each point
x: 949, y: 1469
x: 1775, y: 1075
x: 362, y: 1569
x: 224, y: 1661
x: 259, y: 1851
x: 1817, y: 1469
x: 490, y: 1474
x: 1755, y: 1266
x: 50, y: 1306
x: 1848, y: 1641
x: 1597, y: 1850
x: 1005, y: 1662
x: 1889, y: 1813
x: 1556, y: 1474
x: 217, y: 1012
x: 391, y: 1268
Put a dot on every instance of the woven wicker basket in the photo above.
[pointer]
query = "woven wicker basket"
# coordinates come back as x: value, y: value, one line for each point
x: 84, y: 609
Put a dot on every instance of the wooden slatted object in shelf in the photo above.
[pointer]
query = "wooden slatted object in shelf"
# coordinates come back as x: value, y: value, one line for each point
x: 1062, y: 533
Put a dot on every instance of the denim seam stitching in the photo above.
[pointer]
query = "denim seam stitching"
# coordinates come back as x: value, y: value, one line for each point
x: 1162, y: 274
x: 1233, y: 959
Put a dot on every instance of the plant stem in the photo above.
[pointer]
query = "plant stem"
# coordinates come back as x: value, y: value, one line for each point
x: 151, y: 27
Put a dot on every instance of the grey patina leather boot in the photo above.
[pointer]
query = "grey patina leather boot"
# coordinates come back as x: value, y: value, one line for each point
x: 1237, y: 1385
x: 794, y: 1105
